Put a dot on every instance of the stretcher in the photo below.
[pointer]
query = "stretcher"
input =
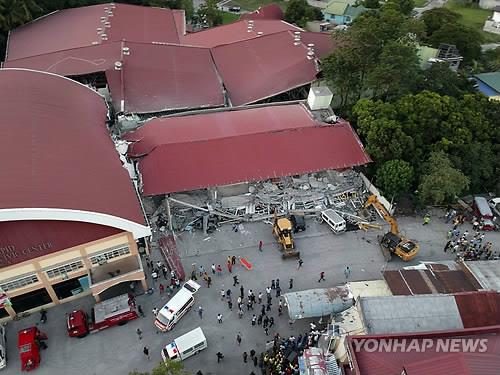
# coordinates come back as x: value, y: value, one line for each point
x: 245, y: 263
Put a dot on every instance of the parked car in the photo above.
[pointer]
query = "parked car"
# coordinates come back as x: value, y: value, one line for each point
x: 495, y: 206
x: 234, y: 9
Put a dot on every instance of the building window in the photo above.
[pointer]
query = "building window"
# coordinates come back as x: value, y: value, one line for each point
x: 63, y: 270
x: 104, y: 257
x: 19, y: 283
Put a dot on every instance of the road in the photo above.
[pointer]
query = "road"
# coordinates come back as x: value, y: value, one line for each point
x: 117, y: 350
x: 430, y: 5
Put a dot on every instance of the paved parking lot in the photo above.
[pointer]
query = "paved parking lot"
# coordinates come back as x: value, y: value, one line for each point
x: 118, y: 350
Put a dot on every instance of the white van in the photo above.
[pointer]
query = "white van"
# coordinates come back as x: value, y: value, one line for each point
x: 185, y: 346
x: 178, y: 305
x: 3, y: 348
x: 334, y: 220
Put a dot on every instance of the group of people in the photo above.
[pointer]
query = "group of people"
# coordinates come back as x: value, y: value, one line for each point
x: 467, y: 247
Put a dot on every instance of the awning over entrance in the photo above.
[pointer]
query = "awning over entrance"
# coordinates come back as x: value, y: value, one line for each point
x: 318, y: 302
x: 107, y: 275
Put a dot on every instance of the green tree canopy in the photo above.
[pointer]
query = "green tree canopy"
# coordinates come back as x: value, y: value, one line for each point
x: 435, y: 18
x: 467, y: 40
x: 395, y: 177
x: 168, y: 367
x: 404, y: 6
x: 300, y: 12
x: 441, y: 79
x: 209, y: 13
x: 441, y: 182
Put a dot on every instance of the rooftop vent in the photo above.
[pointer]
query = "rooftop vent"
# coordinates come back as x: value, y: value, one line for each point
x: 296, y: 38
x: 107, y: 24
x: 104, y: 36
x: 260, y: 33
x: 118, y: 65
x: 310, y: 51
x: 103, y: 19
x: 126, y: 51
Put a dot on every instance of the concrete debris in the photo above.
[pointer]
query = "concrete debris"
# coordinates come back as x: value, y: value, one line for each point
x: 307, y: 194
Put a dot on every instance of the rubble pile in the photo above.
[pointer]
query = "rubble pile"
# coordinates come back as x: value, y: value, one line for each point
x: 307, y: 194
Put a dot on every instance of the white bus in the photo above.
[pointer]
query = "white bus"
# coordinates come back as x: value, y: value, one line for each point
x: 178, y: 305
x: 185, y: 346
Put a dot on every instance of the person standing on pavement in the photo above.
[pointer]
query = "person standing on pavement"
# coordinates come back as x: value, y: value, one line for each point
x: 139, y: 333
x: 277, y: 283
x: 300, y: 262
x: 139, y: 310
x: 233, y: 260
x: 321, y: 276
x: 254, y: 319
x: 245, y: 356
x: 242, y: 292
x: 219, y: 270
x: 260, y: 298
x: 230, y: 304
x: 155, y: 311
x: 146, y: 352
x: 209, y: 281
x: 200, y: 312
x: 347, y: 272
x: 222, y: 294
x: 219, y: 356
x: 255, y: 361
x: 213, y: 268
x: 238, y: 338
x: 219, y: 318
x: 278, y: 291
x: 260, y: 245
x: 290, y: 284
x: 235, y: 280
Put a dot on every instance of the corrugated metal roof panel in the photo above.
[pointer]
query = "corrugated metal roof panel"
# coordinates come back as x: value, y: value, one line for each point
x: 253, y: 157
x: 318, y: 302
x: 479, y: 309
x: 420, y: 313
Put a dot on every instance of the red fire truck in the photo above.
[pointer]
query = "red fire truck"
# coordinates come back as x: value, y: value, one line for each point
x: 114, y: 311
x: 29, y: 343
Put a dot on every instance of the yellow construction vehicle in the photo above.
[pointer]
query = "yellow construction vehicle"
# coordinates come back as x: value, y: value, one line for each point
x: 282, y: 229
x: 392, y: 241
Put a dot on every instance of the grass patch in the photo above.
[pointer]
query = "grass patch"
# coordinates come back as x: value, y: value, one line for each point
x: 474, y: 18
x: 420, y: 3
x: 252, y: 5
x: 229, y: 17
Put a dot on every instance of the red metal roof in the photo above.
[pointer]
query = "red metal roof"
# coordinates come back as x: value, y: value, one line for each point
x: 324, y: 43
x: 163, y: 77
x: 75, y: 61
x: 259, y: 68
x: 193, y: 165
x: 268, y: 12
x: 236, y: 32
x: 24, y: 240
x: 56, y: 148
x: 479, y: 309
x: 392, y: 362
x: 427, y: 281
x: 77, y: 27
x: 209, y: 126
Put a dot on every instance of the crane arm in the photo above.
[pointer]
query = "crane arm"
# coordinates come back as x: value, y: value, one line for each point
x: 373, y: 201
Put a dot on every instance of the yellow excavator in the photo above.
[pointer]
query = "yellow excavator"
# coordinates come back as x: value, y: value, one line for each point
x: 282, y: 229
x: 392, y: 241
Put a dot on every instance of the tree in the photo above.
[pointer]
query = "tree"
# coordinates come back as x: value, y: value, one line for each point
x: 17, y: 12
x: 467, y: 40
x: 404, y: 6
x: 491, y: 60
x: 435, y: 18
x: 371, y: 4
x: 441, y: 79
x: 300, y: 12
x: 441, y: 183
x: 343, y: 72
x: 395, y: 177
x: 168, y: 367
x: 209, y: 13
x: 396, y: 71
